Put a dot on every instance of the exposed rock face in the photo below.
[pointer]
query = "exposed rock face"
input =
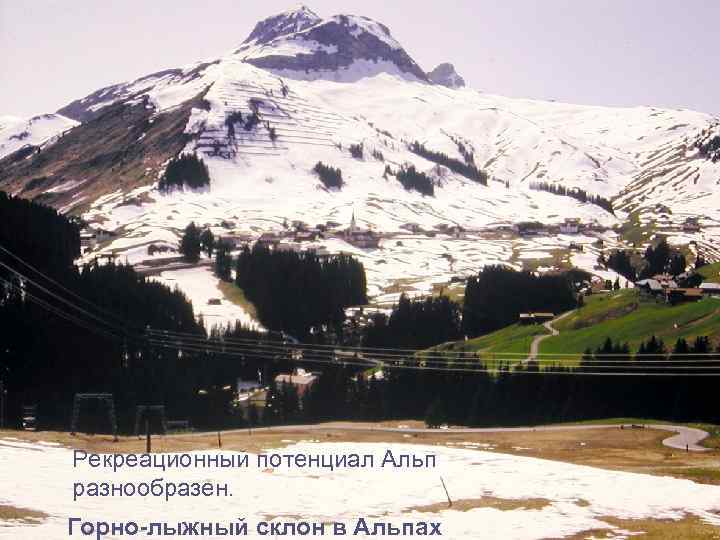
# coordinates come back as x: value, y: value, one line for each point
x: 300, y: 41
x: 290, y: 22
x: 446, y: 75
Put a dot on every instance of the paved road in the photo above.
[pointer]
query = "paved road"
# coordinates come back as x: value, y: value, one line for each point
x: 535, y: 345
x: 686, y: 437
x: 683, y: 435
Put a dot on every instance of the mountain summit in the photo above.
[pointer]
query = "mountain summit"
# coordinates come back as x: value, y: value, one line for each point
x: 407, y: 151
x: 340, y: 47
x: 292, y: 21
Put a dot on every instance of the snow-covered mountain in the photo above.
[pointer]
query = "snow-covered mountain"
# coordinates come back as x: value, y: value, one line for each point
x: 17, y: 133
x: 315, y: 88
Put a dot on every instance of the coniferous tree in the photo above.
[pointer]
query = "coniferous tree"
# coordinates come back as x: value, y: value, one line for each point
x: 207, y: 241
x: 576, y: 193
x: 223, y: 261
x: 329, y: 176
x: 412, y: 179
x: 190, y: 243
x: 295, y: 292
x: 435, y: 415
x: 468, y: 169
x: 620, y: 262
x: 185, y: 170
x: 497, y: 295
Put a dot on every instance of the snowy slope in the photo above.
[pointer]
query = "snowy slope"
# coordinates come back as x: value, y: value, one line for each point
x: 16, y: 133
x: 579, y: 498
x: 320, y: 85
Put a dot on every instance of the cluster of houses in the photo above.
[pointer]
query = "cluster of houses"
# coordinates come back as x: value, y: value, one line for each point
x: 298, y: 235
x: 664, y: 286
x: 453, y: 230
x: 571, y: 225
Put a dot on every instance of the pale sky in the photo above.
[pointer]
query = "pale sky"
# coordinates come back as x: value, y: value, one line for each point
x: 605, y: 52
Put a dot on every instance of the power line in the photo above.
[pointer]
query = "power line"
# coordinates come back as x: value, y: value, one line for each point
x: 58, y: 312
x: 57, y: 297
x: 311, y: 353
x: 61, y: 286
x: 262, y: 354
x: 230, y: 347
x: 380, y: 352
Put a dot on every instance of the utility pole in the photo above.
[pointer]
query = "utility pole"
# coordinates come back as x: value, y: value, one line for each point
x: 3, y: 393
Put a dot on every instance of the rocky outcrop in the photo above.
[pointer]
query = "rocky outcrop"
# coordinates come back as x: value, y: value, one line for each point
x: 290, y: 22
x: 299, y: 42
x: 446, y: 75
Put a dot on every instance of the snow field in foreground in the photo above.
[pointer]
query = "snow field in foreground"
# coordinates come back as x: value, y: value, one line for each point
x: 40, y: 477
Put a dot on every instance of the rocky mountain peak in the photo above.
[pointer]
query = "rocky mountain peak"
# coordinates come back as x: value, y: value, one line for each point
x: 342, y: 46
x: 445, y: 75
x: 294, y: 20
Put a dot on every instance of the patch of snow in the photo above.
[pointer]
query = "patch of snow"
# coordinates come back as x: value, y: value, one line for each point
x: 345, y: 494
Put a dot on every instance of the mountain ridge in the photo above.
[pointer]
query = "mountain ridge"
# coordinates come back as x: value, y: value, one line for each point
x: 263, y: 115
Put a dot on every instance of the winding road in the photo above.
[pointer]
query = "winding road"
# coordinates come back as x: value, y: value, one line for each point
x: 535, y: 345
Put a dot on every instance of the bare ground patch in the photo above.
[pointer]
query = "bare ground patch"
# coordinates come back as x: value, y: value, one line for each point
x: 498, y: 503
x: 25, y: 515
x: 691, y: 527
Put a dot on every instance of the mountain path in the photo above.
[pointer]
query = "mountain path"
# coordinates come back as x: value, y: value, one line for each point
x: 535, y: 345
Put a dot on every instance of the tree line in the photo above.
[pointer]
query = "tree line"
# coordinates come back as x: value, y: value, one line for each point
x: 468, y: 169
x: 412, y: 179
x: 505, y: 395
x: 576, y: 193
x: 660, y: 258
x: 300, y: 292
x: 415, y: 324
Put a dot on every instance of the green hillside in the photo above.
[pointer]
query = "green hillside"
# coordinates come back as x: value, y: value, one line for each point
x: 710, y: 272
x: 625, y: 316
x: 512, y: 340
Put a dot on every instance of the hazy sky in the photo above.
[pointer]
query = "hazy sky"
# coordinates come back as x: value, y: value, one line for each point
x: 610, y: 52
